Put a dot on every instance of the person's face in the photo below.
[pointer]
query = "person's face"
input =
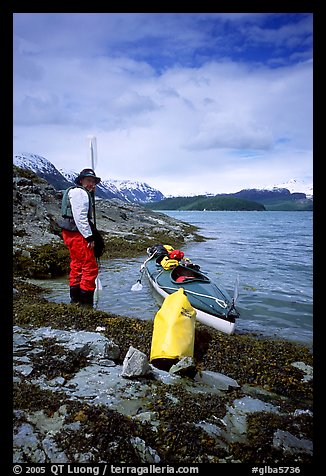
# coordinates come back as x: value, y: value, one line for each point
x: 89, y: 183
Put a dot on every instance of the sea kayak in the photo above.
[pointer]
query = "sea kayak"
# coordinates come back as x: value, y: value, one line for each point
x: 213, y: 305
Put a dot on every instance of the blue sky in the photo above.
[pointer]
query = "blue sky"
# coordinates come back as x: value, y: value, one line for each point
x: 186, y: 102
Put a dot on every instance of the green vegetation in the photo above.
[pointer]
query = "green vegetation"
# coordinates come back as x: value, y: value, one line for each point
x: 42, y: 262
x: 230, y: 202
x: 52, y: 260
x: 288, y: 205
x: 202, y: 202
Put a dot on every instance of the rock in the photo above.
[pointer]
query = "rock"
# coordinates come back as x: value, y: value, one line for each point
x: 135, y: 364
x: 52, y: 452
x: 185, y: 367
x: 146, y: 453
x: 216, y: 380
x: 291, y: 444
x: 52, y: 423
x: 37, y: 207
x: 306, y: 369
x: 24, y: 370
x: 112, y: 351
x: 26, y: 445
x: 235, y: 419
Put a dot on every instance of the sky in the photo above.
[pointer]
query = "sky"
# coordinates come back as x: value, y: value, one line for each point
x: 189, y: 103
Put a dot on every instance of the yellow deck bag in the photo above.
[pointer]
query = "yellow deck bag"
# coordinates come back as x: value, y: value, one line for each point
x: 174, y: 328
x: 168, y: 263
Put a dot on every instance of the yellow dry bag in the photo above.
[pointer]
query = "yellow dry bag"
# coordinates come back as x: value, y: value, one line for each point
x: 168, y: 248
x: 174, y: 328
x: 168, y: 263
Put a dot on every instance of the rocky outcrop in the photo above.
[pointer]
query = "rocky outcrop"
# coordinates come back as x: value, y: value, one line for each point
x: 36, y: 209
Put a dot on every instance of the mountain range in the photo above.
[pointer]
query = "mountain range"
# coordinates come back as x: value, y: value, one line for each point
x: 126, y: 190
x: 139, y: 192
x: 278, y: 199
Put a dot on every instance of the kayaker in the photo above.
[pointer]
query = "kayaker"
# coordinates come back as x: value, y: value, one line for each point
x: 78, y: 232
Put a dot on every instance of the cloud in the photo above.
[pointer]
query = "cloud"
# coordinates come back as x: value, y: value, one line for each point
x: 219, y: 131
x: 176, y: 100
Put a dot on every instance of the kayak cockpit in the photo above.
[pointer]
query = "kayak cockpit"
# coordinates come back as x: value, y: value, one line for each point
x: 185, y: 274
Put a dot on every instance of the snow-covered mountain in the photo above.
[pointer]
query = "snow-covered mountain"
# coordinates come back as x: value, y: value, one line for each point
x: 133, y: 191
x: 294, y: 186
x: 126, y: 190
x: 43, y: 168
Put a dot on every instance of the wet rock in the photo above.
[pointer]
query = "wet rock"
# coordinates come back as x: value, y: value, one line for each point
x: 146, y: 453
x: 112, y: 351
x: 52, y: 423
x: 52, y: 451
x: 24, y: 370
x: 291, y: 444
x: 235, y: 419
x: 185, y: 367
x: 26, y: 445
x: 216, y: 380
x: 135, y: 364
x: 306, y: 369
x: 149, y: 417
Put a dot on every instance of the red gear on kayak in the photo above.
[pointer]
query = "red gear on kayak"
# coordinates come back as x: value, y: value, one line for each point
x: 83, y: 265
x: 176, y: 254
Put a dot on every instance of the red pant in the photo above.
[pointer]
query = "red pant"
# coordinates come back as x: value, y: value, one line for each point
x: 83, y: 265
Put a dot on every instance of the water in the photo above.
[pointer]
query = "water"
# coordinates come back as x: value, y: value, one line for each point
x: 270, y: 252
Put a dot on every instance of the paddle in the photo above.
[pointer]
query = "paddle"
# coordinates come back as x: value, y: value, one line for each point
x: 138, y: 285
x: 235, y: 297
x: 236, y: 291
x: 93, y: 155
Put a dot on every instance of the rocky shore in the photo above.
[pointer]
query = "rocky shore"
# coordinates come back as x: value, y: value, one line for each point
x: 128, y: 229
x: 242, y: 399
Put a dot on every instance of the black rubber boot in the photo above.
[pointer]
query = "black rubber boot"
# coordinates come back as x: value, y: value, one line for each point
x: 86, y: 298
x: 74, y: 294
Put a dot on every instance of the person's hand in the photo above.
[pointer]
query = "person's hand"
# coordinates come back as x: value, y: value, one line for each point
x: 90, y: 245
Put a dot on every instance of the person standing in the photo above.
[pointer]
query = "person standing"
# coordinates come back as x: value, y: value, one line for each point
x: 78, y: 232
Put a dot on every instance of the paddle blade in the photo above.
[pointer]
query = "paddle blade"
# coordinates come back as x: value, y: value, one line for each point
x: 93, y: 151
x: 236, y: 290
x: 137, y: 286
x: 98, y: 285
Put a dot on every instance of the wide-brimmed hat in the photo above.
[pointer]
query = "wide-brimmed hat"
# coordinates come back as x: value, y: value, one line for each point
x: 86, y: 173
